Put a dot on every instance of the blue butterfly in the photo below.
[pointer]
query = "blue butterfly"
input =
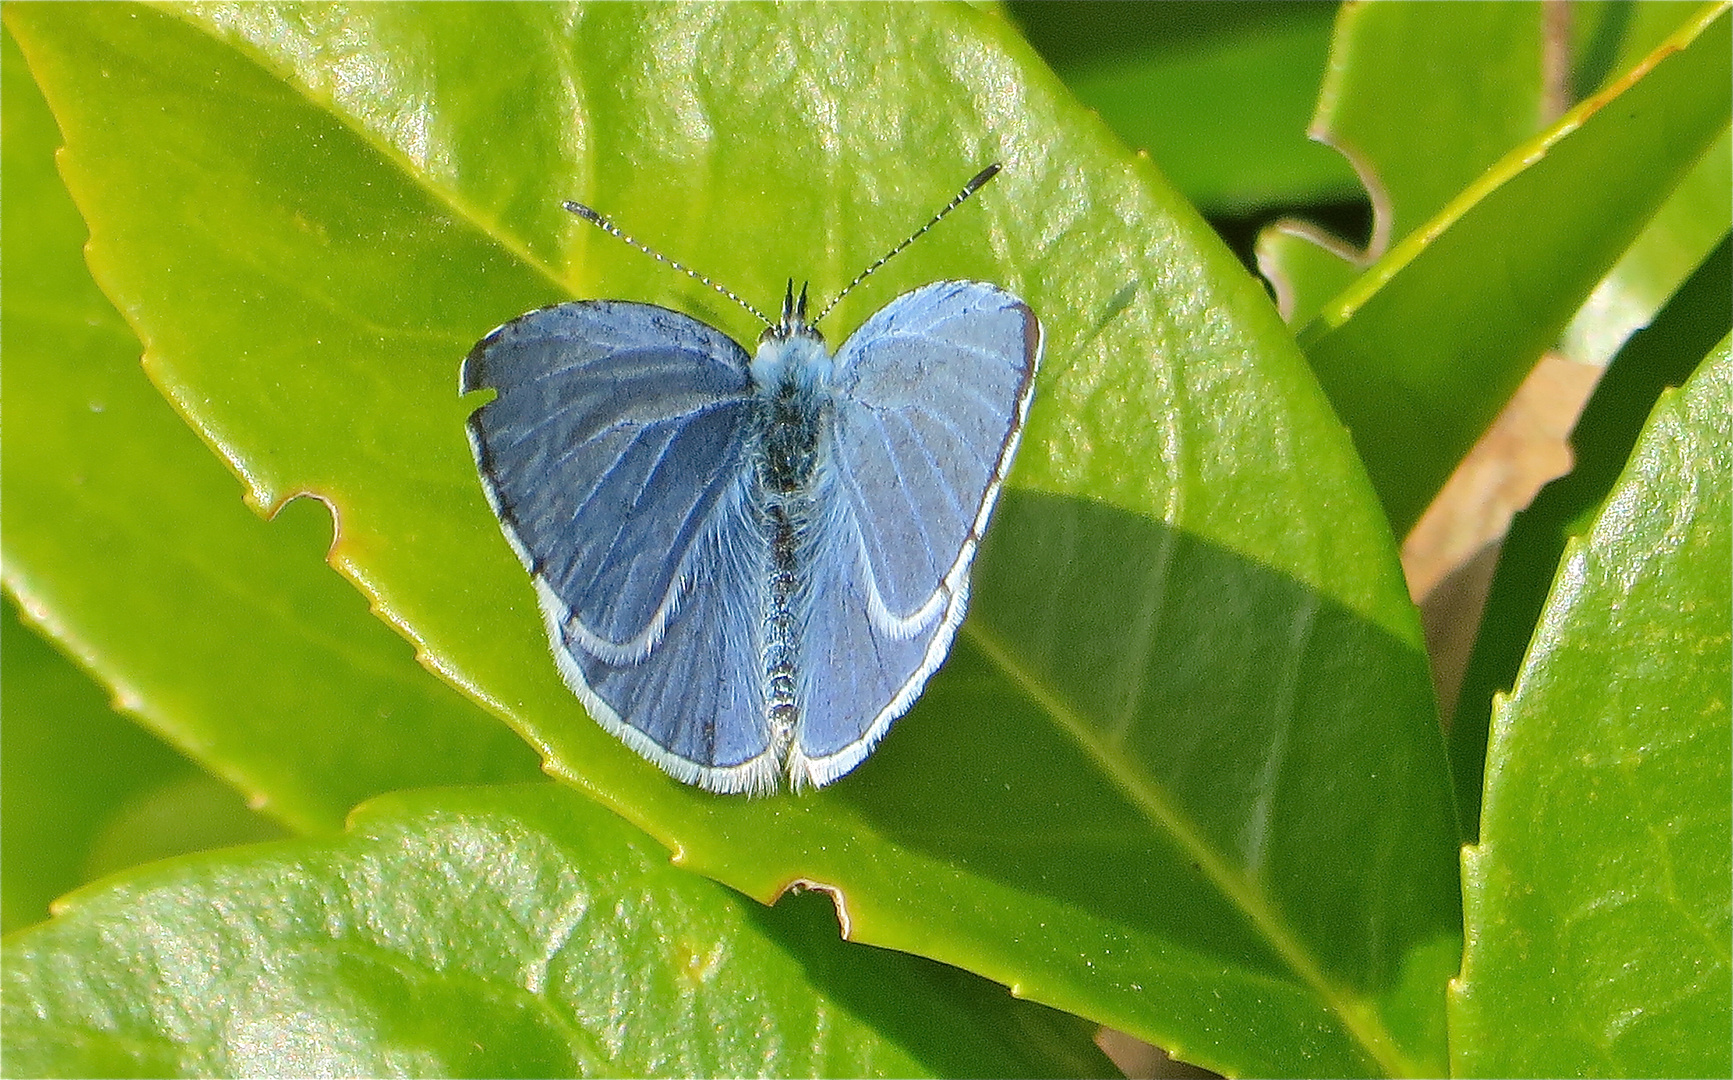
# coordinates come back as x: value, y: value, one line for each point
x: 749, y: 567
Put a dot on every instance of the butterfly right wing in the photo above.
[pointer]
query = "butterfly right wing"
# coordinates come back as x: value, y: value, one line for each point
x: 931, y: 396
x: 613, y: 455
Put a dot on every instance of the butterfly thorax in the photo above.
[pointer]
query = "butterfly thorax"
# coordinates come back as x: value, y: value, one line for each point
x: 791, y: 378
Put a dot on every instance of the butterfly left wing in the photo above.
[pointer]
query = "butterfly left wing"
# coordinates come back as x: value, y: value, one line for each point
x: 613, y: 455
x: 931, y: 396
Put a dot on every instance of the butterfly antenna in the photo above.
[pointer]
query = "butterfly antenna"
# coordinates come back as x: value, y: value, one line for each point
x: 607, y: 226
x: 969, y: 189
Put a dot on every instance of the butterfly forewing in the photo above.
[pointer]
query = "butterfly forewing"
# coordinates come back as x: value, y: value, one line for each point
x: 931, y: 392
x: 606, y: 412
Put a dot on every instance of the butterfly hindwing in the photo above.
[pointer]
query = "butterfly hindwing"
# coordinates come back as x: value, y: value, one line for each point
x: 697, y: 706
x: 930, y: 398
x: 854, y: 676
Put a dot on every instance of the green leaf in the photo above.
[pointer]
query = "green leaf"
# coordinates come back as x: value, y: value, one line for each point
x: 1182, y: 774
x: 129, y: 546
x: 1219, y: 96
x: 526, y: 932
x: 1661, y: 356
x: 1609, y: 38
x: 82, y: 790
x: 1421, y: 352
x: 1421, y: 98
x: 1598, y: 908
x: 1674, y: 243
x: 1305, y: 266
x: 1425, y: 97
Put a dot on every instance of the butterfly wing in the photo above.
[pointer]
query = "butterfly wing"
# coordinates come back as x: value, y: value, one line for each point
x: 613, y: 454
x: 931, y: 396
x: 697, y: 705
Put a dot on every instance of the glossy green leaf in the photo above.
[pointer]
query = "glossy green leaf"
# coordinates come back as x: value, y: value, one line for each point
x: 1674, y: 243
x: 83, y: 790
x: 1219, y: 96
x: 1661, y: 356
x: 88, y: 793
x: 1607, y: 39
x: 526, y: 932
x: 1182, y: 773
x: 1598, y: 905
x: 1421, y: 98
x: 1426, y: 96
x: 1421, y: 352
x: 1608, y: 36
x: 1305, y: 266
x: 129, y: 545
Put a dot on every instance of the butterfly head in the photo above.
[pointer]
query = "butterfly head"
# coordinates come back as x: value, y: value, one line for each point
x: 791, y: 351
x: 793, y: 322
